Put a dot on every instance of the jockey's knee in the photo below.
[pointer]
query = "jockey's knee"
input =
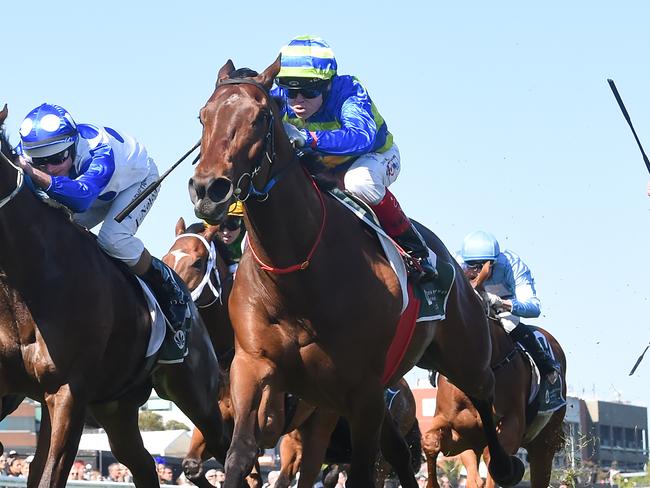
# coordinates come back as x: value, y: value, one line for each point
x: 125, y: 247
x: 361, y: 184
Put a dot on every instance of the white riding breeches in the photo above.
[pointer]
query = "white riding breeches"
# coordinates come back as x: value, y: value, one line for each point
x: 370, y: 175
x: 509, y: 321
x: 118, y: 239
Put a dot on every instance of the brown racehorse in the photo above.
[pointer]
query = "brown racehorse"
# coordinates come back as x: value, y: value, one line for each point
x: 194, y: 256
x: 457, y: 427
x: 325, y: 285
x: 74, y: 330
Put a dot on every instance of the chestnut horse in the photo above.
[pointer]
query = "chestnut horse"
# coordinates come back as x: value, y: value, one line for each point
x: 196, y: 257
x: 74, y: 330
x: 312, y: 282
x: 456, y: 427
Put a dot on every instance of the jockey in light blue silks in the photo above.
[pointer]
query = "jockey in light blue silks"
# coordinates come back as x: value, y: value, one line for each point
x: 510, y: 289
x: 334, y: 115
x: 96, y: 172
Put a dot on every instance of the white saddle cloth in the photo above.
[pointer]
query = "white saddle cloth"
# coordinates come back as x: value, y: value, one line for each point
x: 158, y: 321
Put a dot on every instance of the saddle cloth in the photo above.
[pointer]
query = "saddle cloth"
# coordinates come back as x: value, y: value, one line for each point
x: 158, y: 321
x: 432, y: 295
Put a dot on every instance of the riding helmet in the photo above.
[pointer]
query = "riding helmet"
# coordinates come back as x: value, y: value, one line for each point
x: 306, y: 59
x: 480, y: 246
x: 47, y: 130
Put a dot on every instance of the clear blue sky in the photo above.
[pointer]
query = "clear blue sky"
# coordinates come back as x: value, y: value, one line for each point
x: 502, y: 114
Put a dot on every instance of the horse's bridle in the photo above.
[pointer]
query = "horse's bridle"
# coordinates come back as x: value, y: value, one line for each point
x: 210, y: 269
x: 20, y: 181
x: 269, y: 151
x: 262, y: 195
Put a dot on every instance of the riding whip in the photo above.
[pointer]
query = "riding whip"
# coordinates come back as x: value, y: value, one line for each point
x: 638, y: 361
x: 629, y: 121
x: 147, y: 191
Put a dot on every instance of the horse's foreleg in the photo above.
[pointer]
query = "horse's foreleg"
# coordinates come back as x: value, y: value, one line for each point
x: 505, y: 469
x: 432, y: 444
x: 542, y: 449
x: 66, y: 415
x: 42, y: 450
x: 290, y: 458
x: 247, y: 378
x: 195, y: 391
x: 470, y: 460
x: 316, y: 433
x: 365, y: 418
x: 396, y: 452
x: 120, y: 421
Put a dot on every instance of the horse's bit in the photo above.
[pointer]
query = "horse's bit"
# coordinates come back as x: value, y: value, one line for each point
x: 20, y: 181
x: 209, y: 268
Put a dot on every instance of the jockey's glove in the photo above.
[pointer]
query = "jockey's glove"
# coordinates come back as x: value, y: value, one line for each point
x: 296, y: 136
x: 495, y: 301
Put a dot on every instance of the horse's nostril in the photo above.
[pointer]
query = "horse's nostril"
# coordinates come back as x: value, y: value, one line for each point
x: 219, y: 190
x: 196, y: 189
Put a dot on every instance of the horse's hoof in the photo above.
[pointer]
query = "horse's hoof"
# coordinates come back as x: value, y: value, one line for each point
x: 192, y: 468
x: 512, y: 476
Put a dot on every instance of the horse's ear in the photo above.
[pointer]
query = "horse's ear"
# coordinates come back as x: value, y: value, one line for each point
x: 268, y: 75
x: 180, y: 226
x: 3, y: 114
x: 225, y: 70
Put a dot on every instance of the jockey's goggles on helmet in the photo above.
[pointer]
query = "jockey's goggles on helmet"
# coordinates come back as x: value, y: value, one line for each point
x: 231, y: 224
x: 306, y: 88
x: 477, y: 265
x: 54, y: 159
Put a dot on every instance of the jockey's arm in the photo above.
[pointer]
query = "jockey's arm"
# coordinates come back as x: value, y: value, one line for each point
x: 80, y: 192
x: 356, y: 135
x: 525, y: 302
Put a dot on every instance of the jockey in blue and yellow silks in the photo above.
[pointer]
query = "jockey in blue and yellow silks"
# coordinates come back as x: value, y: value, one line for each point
x: 334, y: 115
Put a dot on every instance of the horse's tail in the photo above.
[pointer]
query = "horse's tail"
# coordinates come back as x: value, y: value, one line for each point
x: 414, y: 440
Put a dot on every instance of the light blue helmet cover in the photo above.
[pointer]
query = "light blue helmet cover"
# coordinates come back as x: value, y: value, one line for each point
x: 479, y: 246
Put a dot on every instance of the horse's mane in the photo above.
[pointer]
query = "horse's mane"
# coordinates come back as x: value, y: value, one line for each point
x: 196, y: 228
x: 7, y: 150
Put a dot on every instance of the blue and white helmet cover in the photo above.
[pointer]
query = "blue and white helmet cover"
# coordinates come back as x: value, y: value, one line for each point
x: 47, y: 130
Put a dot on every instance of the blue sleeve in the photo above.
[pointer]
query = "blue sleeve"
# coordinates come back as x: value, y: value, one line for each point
x: 358, y: 129
x: 281, y: 98
x: 79, y: 193
x: 525, y: 303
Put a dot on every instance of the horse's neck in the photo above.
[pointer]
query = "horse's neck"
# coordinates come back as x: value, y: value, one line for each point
x: 35, y: 240
x: 283, y: 228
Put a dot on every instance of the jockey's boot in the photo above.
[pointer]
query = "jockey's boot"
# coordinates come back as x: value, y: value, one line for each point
x: 399, y: 227
x: 174, y: 301
x: 547, y: 366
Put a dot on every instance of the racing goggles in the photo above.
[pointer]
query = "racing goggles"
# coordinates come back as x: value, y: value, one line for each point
x: 312, y: 90
x: 230, y: 224
x: 54, y: 159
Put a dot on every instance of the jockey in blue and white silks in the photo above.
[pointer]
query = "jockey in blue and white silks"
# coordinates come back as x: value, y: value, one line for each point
x: 334, y: 115
x: 510, y: 291
x: 96, y: 172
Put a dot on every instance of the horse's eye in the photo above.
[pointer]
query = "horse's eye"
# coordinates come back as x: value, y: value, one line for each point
x: 198, y: 264
x: 261, y: 119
